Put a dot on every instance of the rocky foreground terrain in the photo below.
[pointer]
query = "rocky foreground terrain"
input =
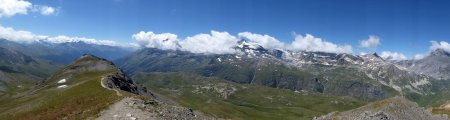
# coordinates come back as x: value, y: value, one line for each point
x: 143, y: 105
x: 91, y: 88
x: 396, y: 108
x: 138, y: 109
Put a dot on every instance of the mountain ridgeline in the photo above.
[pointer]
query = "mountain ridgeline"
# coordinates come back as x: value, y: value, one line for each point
x: 64, y: 53
x: 366, y: 77
x: 436, y: 65
x: 116, y: 80
x: 252, y: 83
x: 19, y: 72
x: 88, y: 88
x: 72, y: 92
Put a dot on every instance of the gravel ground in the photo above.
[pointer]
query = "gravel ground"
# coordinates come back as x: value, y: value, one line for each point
x: 125, y: 110
x: 136, y: 109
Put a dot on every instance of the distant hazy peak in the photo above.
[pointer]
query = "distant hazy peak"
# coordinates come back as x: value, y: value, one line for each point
x: 12, y: 56
x: 439, y: 52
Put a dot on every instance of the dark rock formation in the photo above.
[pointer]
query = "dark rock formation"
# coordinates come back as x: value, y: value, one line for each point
x: 121, y: 81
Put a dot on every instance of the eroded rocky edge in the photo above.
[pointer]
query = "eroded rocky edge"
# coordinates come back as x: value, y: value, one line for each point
x: 396, y: 108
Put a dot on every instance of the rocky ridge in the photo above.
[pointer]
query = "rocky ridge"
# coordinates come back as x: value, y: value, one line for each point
x: 436, y: 65
x: 396, y: 108
x: 138, y: 109
x: 367, y: 77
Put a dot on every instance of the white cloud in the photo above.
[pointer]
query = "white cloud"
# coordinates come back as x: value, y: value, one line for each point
x: 44, y: 10
x: 311, y: 43
x: 266, y: 41
x: 372, y: 42
x: 388, y: 55
x: 10, y: 8
x: 28, y: 37
x: 418, y: 56
x: 215, y: 43
x: 18, y: 35
x: 434, y: 45
x: 65, y: 39
x: 223, y: 43
x: 440, y: 45
x: 362, y: 53
x: 162, y: 41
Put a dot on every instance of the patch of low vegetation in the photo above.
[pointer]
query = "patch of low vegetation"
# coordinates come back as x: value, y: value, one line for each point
x: 224, y: 99
x: 440, y: 95
x: 83, y: 98
x: 17, y: 78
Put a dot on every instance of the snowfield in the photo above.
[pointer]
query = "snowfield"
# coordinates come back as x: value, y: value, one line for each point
x: 62, y: 81
x: 62, y: 86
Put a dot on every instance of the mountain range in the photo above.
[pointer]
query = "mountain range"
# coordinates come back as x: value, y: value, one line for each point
x: 64, y: 53
x: 252, y: 83
x: 366, y: 77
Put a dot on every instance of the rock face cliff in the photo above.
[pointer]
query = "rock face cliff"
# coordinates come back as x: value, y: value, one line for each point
x: 121, y: 81
x: 396, y: 108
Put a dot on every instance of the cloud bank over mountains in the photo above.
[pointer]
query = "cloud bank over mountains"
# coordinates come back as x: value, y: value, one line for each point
x: 222, y: 42
x: 393, y: 56
x: 216, y: 42
x: 213, y: 43
x: 21, y: 36
x: 266, y: 41
x: 311, y: 43
x: 165, y: 41
x: 434, y: 46
x: 440, y: 45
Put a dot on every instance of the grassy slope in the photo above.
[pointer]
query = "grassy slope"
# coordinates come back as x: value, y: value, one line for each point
x: 248, y: 102
x: 83, y: 98
x: 440, y: 97
x: 24, y: 76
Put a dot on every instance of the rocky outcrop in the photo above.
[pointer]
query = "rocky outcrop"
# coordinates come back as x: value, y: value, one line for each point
x: 87, y: 63
x: 396, y: 108
x: 116, y: 80
x: 121, y: 81
x: 138, y: 109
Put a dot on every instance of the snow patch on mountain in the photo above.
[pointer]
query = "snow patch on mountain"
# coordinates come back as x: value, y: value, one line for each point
x: 420, y: 82
x: 62, y: 86
x: 62, y: 81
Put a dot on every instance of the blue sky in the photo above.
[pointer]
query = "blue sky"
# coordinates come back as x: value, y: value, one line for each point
x: 405, y: 26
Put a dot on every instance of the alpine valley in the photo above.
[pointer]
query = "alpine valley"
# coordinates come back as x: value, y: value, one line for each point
x: 78, y: 80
